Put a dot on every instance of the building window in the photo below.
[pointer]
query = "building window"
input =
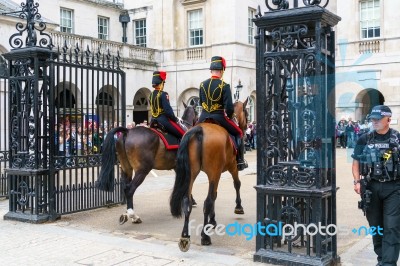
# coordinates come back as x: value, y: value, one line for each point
x: 370, y: 19
x: 103, y: 27
x: 140, y: 32
x: 195, y: 26
x: 104, y: 99
x: 66, y: 20
x: 251, y: 109
x: 251, y: 26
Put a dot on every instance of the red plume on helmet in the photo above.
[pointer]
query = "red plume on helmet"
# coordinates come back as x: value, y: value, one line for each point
x: 217, y: 63
x: 158, y: 77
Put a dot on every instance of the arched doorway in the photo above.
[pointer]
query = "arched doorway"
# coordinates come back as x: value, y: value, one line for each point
x: 189, y: 96
x: 141, y: 106
x: 367, y: 99
x: 65, y: 99
x: 108, y: 111
x: 251, y: 106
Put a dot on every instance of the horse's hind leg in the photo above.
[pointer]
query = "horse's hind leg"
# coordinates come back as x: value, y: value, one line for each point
x: 212, y: 213
x: 184, y: 242
x: 137, y: 180
x: 237, y: 184
x: 208, y: 210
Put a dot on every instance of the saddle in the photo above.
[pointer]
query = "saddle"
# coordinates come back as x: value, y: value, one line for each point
x: 231, y: 137
x: 170, y: 141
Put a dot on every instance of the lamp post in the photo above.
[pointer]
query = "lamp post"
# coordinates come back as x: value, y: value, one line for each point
x: 238, y: 89
x: 124, y: 19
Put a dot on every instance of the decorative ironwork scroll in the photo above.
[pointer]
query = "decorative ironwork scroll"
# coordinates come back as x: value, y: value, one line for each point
x: 295, y: 132
x: 34, y: 23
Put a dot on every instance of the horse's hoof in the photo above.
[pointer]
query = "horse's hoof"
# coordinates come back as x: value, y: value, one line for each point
x: 184, y: 244
x: 136, y: 221
x: 239, y: 211
x: 206, y: 241
x: 123, y: 219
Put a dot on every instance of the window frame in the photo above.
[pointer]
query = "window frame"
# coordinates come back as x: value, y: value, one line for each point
x: 250, y: 26
x: 376, y: 31
x: 201, y: 29
x: 141, y: 37
x: 100, y: 26
x: 64, y: 10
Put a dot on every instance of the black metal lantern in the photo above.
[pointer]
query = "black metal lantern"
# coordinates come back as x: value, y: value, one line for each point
x: 238, y: 89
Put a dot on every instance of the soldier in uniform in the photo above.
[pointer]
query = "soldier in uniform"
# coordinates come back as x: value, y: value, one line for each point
x: 216, y: 100
x: 376, y: 159
x: 161, y: 110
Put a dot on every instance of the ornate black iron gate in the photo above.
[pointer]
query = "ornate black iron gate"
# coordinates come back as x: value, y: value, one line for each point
x: 3, y: 127
x: 62, y: 102
x: 296, y: 182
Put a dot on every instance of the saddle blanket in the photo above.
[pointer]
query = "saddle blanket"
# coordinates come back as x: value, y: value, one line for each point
x: 170, y: 141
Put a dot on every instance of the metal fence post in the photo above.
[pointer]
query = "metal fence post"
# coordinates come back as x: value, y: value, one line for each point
x: 296, y: 183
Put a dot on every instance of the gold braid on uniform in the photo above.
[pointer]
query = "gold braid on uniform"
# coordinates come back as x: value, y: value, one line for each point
x: 209, y: 106
x: 156, y: 110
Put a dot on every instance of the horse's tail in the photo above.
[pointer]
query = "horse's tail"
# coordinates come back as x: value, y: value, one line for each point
x: 182, y: 170
x: 106, y: 177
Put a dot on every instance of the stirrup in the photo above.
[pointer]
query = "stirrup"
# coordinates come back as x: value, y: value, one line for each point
x: 242, y: 164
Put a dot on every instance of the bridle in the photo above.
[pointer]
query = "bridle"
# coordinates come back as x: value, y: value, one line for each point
x: 187, y: 123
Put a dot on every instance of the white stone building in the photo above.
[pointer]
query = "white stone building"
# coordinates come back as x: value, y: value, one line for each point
x: 367, y: 58
x: 180, y: 36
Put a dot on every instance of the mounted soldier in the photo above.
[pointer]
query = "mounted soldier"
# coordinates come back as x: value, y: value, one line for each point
x: 216, y: 100
x: 161, y: 110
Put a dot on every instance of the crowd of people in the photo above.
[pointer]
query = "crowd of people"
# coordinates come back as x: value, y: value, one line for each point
x: 251, y: 136
x: 83, y: 138
x: 349, y: 131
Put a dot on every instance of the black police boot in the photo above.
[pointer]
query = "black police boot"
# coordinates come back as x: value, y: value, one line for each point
x: 241, y: 163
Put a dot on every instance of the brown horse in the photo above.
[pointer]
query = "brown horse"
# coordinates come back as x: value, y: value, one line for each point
x: 139, y: 149
x: 205, y: 147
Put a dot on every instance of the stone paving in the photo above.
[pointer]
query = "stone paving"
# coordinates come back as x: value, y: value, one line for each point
x: 65, y: 243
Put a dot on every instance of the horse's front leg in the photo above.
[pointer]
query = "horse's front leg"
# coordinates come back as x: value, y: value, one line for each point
x: 237, y: 184
x: 184, y: 242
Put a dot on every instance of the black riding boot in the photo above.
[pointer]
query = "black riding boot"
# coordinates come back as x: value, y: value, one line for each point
x: 241, y: 163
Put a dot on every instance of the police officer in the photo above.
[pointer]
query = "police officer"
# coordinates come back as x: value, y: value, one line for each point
x: 161, y: 110
x: 216, y: 100
x: 380, y: 147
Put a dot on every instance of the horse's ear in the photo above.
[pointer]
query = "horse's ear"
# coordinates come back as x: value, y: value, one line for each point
x: 184, y: 104
x: 245, y: 103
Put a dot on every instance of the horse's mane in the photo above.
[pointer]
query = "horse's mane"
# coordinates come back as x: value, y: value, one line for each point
x: 242, y: 105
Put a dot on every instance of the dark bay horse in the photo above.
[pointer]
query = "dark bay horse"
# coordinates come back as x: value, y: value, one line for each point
x: 206, y: 147
x: 140, y: 150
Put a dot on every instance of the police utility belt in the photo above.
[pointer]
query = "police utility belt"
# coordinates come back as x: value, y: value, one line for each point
x: 380, y: 159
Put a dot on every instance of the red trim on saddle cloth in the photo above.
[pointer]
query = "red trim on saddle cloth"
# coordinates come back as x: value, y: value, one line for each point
x: 167, y: 146
x: 176, y: 126
x: 236, y: 126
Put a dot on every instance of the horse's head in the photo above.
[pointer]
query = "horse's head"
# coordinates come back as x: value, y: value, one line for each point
x: 190, y: 115
x: 241, y: 114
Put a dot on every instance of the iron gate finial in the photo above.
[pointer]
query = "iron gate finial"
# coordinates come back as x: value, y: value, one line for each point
x: 284, y: 4
x: 34, y: 23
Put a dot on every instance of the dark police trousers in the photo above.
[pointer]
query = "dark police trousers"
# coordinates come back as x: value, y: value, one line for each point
x: 384, y: 210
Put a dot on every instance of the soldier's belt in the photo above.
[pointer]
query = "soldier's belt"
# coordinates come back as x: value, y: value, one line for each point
x: 383, y: 180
